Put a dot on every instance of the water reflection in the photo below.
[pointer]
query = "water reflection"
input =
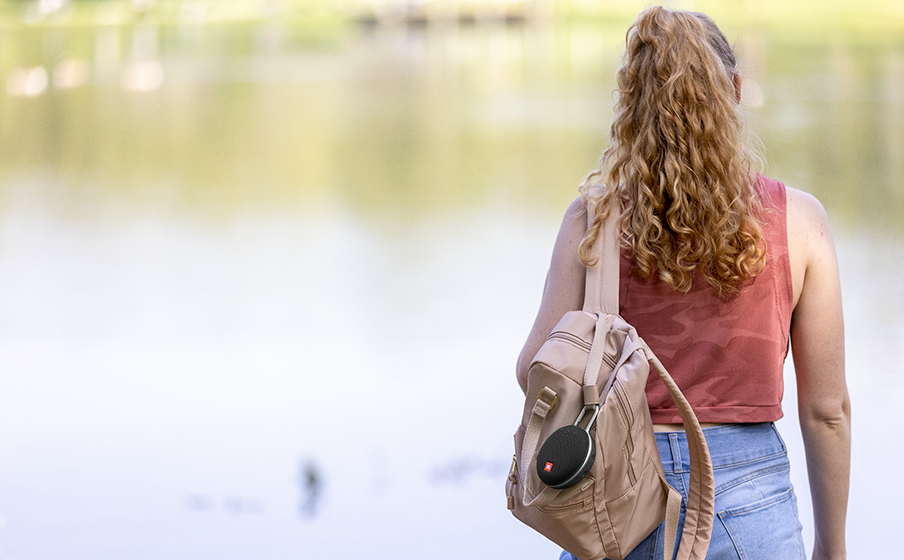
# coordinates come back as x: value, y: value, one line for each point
x: 143, y: 71
x: 28, y: 82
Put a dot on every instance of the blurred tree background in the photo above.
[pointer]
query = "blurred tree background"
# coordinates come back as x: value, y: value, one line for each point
x: 221, y: 104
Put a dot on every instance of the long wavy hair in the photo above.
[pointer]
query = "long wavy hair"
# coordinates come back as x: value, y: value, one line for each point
x: 681, y: 160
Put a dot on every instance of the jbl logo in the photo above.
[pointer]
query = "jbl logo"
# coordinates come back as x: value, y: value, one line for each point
x: 548, y: 467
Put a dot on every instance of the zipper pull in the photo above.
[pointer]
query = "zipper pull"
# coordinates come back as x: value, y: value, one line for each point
x: 509, y: 498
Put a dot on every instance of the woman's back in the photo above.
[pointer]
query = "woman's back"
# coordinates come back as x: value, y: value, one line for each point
x: 679, y: 170
x: 727, y: 351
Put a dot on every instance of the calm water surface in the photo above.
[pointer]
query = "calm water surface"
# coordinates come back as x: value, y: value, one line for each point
x: 261, y: 292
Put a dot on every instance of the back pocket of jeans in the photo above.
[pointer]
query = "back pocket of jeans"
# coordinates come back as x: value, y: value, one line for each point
x: 766, y: 529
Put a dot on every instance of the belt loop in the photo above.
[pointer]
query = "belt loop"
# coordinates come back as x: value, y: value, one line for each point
x: 675, y: 448
x: 778, y: 436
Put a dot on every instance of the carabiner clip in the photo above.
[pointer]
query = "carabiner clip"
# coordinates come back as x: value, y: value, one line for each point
x: 596, y: 412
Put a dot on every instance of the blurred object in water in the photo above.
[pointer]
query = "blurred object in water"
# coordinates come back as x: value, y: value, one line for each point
x: 238, y: 505
x: 198, y: 502
x: 311, y: 489
x: 462, y: 470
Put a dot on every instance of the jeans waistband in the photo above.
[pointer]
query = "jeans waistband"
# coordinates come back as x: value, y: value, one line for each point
x: 731, y: 444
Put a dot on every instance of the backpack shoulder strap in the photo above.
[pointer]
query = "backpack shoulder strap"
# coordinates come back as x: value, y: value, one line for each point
x: 599, y: 299
x: 698, y: 519
x: 601, y: 294
x: 605, y: 271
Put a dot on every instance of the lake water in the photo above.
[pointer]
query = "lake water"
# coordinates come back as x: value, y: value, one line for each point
x: 262, y: 288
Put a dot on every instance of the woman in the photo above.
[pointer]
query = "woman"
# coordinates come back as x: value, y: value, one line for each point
x: 720, y: 268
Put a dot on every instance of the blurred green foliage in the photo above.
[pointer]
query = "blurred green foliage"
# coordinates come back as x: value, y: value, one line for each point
x: 402, y: 117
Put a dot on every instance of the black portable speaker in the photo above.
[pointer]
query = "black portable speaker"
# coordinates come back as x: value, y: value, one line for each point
x: 567, y: 454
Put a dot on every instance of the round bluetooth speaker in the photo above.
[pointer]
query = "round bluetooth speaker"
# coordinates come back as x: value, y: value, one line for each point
x: 565, y: 457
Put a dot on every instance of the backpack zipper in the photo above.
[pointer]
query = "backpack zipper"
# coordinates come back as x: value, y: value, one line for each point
x: 583, y: 344
x: 574, y: 339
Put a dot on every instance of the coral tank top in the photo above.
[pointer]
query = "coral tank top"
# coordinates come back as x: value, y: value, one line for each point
x: 727, y: 356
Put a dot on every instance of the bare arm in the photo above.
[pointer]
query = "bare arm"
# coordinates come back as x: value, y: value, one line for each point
x: 817, y: 341
x: 564, y: 290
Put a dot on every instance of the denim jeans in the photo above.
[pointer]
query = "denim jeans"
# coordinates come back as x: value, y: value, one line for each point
x: 756, y: 509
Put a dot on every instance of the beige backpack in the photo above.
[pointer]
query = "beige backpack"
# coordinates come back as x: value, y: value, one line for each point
x: 594, y: 365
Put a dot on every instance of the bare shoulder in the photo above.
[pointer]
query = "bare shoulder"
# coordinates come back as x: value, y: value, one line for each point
x: 806, y: 215
x: 576, y: 217
x: 571, y: 233
x: 810, y: 245
x: 566, y: 264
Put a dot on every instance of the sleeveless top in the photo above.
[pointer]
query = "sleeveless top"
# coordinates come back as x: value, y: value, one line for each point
x: 726, y: 355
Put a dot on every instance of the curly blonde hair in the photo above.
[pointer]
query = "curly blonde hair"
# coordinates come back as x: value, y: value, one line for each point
x: 680, y: 158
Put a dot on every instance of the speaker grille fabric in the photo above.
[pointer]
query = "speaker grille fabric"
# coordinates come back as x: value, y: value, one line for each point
x: 562, y: 455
